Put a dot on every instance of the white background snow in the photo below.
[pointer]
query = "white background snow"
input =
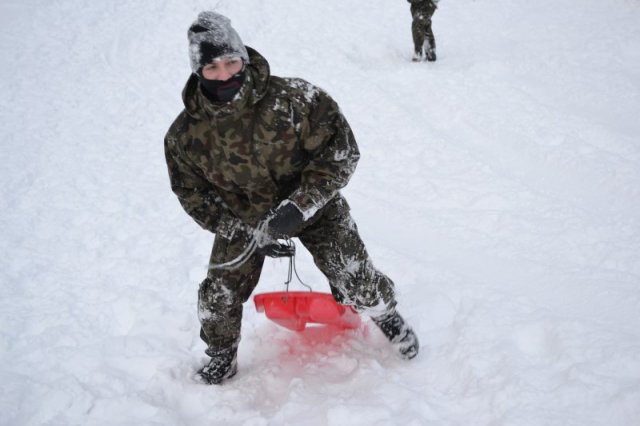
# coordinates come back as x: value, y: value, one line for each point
x: 499, y: 187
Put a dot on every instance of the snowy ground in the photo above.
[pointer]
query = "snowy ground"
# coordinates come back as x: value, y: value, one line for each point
x: 499, y: 187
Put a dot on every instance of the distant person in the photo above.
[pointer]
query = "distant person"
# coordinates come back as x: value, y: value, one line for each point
x: 255, y: 158
x: 424, y: 42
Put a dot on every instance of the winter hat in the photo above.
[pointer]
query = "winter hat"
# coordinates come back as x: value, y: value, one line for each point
x: 210, y: 37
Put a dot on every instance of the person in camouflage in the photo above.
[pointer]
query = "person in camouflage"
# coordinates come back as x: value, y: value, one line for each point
x: 255, y: 158
x: 424, y: 41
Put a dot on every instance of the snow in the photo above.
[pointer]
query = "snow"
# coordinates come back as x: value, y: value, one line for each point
x: 499, y: 187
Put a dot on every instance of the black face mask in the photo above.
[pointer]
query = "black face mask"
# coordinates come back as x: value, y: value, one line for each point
x: 222, y: 91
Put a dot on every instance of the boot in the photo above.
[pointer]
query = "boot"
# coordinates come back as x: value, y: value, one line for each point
x: 399, y: 334
x: 222, y: 366
x: 417, y: 56
x: 430, y: 54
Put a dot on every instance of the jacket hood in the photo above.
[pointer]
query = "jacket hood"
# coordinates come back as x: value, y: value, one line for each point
x: 252, y: 91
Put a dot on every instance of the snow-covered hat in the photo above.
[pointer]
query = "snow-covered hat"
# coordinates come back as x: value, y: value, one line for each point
x: 210, y: 37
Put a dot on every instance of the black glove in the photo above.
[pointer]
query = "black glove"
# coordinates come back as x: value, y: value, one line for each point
x: 274, y: 248
x: 283, y: 221
x: 267, y: 245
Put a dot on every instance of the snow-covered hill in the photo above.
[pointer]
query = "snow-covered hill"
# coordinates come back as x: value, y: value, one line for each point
x: 499, y: 187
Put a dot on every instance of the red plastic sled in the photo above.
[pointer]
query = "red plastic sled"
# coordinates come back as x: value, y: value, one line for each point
x: 294, y: 309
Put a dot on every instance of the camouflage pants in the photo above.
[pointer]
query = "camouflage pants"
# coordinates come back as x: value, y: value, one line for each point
x: 332, y: 239
x: 421, y: 25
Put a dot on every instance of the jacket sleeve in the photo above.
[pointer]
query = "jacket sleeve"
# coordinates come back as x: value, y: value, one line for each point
x: 198, y: 197
x: 334, y: 155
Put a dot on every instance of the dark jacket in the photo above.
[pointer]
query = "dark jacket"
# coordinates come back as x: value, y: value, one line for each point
x: 278, y: 138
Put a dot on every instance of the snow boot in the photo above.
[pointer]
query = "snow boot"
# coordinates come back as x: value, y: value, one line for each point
x: 430, y: 54
x: 222, y: 366
x: 417, y: 56
x: 399, y: 334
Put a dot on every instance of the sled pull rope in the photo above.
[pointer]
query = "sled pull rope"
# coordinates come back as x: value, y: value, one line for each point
x: 238, y: 261
x: 250, y: 250
x: 244, y: 256
x: 292, y: 268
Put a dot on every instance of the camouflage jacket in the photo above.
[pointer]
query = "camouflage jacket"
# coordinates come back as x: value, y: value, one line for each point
x: 279, y: 138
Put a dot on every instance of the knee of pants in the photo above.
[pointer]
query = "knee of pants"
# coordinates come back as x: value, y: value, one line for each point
x: 216, y: 301
x: 368, y: 290
x: 373, y: 303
